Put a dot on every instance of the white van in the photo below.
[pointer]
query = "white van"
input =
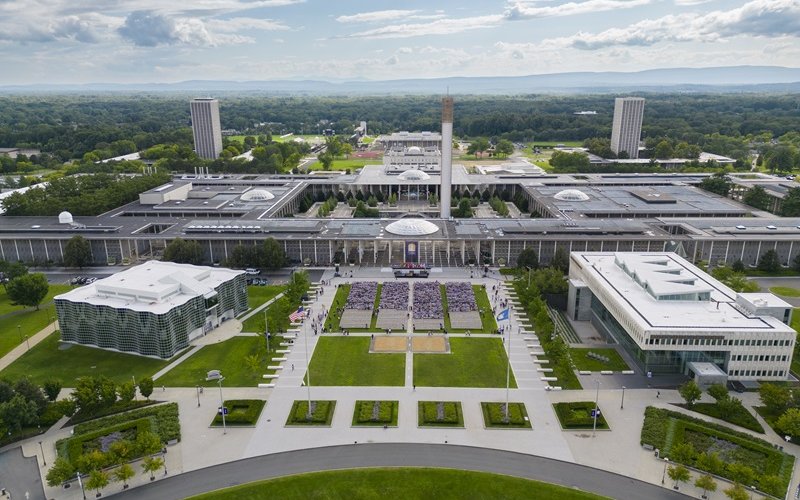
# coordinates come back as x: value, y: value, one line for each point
x: 252, y: 271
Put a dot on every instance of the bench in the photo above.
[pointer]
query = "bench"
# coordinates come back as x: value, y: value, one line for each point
x: 274, y: 367
x: 549, y: 379
x: 270, y: 376
x: 544, y: 370
x: 283, y: 351
x: 266, y: 386
x: 584, y: 372
x: 279, y: 359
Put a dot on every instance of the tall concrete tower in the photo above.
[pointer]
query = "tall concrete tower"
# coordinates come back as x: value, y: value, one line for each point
x: 447, y: 157
x: 627, y: 127
x: 206, y: 128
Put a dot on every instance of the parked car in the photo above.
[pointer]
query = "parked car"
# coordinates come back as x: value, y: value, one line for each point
x: 252, y: 271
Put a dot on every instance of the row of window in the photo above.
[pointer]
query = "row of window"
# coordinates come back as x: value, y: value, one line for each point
x: 757, y: 373
x: 759, y: 357
x: 720, y: 342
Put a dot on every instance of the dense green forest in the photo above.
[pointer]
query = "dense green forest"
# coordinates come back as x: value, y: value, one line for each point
x: 69, y: 126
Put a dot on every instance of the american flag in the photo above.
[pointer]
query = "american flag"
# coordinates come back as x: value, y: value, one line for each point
x: 297, y: 315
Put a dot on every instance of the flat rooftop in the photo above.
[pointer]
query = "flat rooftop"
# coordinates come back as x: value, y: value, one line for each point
x: 719, y: 315
x: 155, y: 286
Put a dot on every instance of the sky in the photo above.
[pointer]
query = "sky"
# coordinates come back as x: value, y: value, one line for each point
x: 140, y: 41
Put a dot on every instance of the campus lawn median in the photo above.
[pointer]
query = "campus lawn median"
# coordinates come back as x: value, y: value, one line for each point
x: 321, y: 413
x: 495, y: 416
x: 440, y: 414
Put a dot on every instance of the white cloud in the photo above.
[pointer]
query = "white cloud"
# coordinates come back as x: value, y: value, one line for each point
x: 690, y: 2
x: 436, y: 27
x: 527, y: 10
x: 377, y: 16
x: 244, y: 23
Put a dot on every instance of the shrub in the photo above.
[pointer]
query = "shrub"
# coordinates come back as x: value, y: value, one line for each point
x: 55, y: 411
x: 429, y: 413
x: 241, y: 412
x: 322, y: 413
x: 578, y: 415
x: 495, y: 415
x: 364, y: 412
x: 75, y: 448
x: 165, y: 416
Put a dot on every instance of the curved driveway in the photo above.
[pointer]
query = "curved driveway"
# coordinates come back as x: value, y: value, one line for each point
x: 399, y: 455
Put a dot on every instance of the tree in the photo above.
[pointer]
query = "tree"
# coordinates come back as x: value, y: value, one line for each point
x: 183, y: 252
x: 28, y: 290
x: 98, y: 479
x: 19, y: 413
x: 756, y: 197
x: 77, y: 252
x: 775, y: 397
x: 478, y: 146
x: 86, y: 394
x: 31, y: 392
x: 717, y: 184
x: 61, y: 471
x: 52, y: 388
x: 682, y: 452
x: 769, y: 262
x: 146, y: 387
x: 737, y: 492
x: 326, y: 159
x: 126, y: 391
x: 569, y: 162
x: 690, y: 392
x: 663, y: 150
x: 679, y: 474
x: 528, y: 259
x: 108, y: 392
x: 710, y: 462
x: 147, y: 443
x: 560, y: 260
x: 738, y: 266
x: 504, y: 148
x: 771, y: 484
x: 464, y: 210
x: 123, y: 473
x: 789, y: 422
x: 718, y: 392
x: 791, y: 203
x: 273, y: 256
x: 151, y: 465
x: 706, y: 483
x: 741, y: 473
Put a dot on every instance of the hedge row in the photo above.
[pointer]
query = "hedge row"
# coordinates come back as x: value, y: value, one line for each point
x: 167, y: 424
x: 495, y: 414
x: 742, y: 417
x: 428, y: 413
x: 241, y: 412
x: 75, y: 447
x: 578, y: 415
x: 365, y: 412
x: 321, y: 415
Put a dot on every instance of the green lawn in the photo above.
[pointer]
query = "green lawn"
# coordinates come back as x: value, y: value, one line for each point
x: 488, y: 322
x: 29, y: 320
x: 257, y: 295
x: 228, y: 357
x: 785, y: 291
x: 350, y: 163
x: 578, y: 415
x: 339, y: 300
x: 472, y: 362
x: 405, y: 482
x: 277, y: 315
x: 347, y: 361
x: 46, y: 361
x: 580, y: 356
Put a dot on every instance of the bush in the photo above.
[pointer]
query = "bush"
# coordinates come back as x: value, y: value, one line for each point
x: 75, y: 447
x: 578, y: 415
x: 55, y: 411
x: 451, y: 413
x: 241, y: 412
x: 322, y: 414
x: 494, y: 415
x: 733, y: 413
x: 386, y: 412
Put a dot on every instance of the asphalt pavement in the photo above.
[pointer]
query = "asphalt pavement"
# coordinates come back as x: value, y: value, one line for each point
x: 20, y: 476
x: 400, y: 455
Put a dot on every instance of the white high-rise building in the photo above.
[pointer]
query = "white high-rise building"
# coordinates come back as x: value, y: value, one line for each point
x: 205, y: 127
x: 627, y: 127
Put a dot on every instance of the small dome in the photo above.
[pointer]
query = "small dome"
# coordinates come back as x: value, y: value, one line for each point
x: 414, y: 150
x: 65, y: 217
x: 412, y: 227
x: 257, y: 195
x: 413, y: 175
x: 571, y: 195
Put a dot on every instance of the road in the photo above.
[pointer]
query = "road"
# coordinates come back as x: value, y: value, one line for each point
x: 400, y: 455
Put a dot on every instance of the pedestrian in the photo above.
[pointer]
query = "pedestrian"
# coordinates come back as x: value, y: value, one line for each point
x: 292, y: 366
x: 658, y: 394
x: 414, y: 388
x: 163, y: 389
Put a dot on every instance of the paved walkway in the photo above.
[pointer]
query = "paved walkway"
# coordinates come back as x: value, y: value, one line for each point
x: 402, y: 455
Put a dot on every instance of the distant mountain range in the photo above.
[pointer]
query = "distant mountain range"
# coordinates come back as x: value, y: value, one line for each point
x: 720, y: 79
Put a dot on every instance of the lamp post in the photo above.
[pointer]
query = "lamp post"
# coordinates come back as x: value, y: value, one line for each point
x: 622, y: 401
x: 80, y: 483
x: 222, y: 405
x: 596, y: 409
x: 664, y: 474
x: 133, y: 377
x: 198, y: 396
x: 44, y: 459
x: 28, y: 342
x: 19, y: 332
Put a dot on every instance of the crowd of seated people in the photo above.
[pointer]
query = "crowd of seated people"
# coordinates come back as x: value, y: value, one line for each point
x: 362, y: 295
x: 460, y: 297
x: 394, y: 295
x: 428, y: 301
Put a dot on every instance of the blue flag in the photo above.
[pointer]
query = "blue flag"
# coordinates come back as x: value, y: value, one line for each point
x: 503, y: 315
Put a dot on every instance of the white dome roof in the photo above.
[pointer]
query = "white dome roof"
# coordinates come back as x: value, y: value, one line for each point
x: 571, y: 195
x: 65, y: 217
x: 412, y: 227
x: 413, y: 175
x: 257, y: 195
x: 414, y: 150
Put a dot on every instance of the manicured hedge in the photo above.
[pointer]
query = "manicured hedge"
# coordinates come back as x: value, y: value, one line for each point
x: 578, y: 415
x: 167, y: 424
x: 494, y: 415
x: 322, y: 415
x: 76, y: 446
x: 742, y: 418
x: 387, y: 413
x: 118, y: 407
x: 428, y: 414
x: 240, y: 412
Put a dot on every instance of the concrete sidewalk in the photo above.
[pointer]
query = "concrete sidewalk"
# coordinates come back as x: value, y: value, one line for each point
x: 22, y: 348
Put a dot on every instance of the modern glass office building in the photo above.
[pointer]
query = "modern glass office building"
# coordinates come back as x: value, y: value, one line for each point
x: 154, y: 309
x: 672, y: 317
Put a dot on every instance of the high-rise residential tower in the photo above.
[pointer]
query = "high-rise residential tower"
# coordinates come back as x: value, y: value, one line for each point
x: 206, y: 128
x: 627, y: 127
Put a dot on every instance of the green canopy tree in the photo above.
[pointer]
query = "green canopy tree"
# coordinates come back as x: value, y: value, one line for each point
x: 690, y: 392
x: 717, y: 184
x: 151, y: 465
x: 756, y: 197
x: 776, y: 398
x: 528, y: 259
x: 706, y: 483
x: 123, y: 473
x: 52, y: 388
x: 737, y: 492
x: 77, y: 252
x: 273, y: 256
x: 61, y: 471
x: 560, y: 260
x: 19, y: 413
x: 28, y: 289
x: 789, y: 422
x: 679, y: 474
x: 769, y: 262
x: 98, y: 479
x: 504, y: 148
x: 183, y: 252
x: 146, y: 387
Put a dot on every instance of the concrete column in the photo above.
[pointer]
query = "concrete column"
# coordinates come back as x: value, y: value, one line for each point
x: 447, y: 157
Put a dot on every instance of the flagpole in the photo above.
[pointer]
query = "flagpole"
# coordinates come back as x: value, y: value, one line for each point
x: 508, y: 365
x: 308, y: 369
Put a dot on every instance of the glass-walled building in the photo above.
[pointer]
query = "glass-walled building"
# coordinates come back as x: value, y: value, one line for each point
x: 670, y: 316
x: 154, y: 309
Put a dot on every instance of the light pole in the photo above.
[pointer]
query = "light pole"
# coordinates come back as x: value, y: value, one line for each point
x: 28, y: 342
x: 222, y: 405
x: 80, y: 483
x: 133, y: 377
x: 596, y: 409
x: 198, y: 396
x: 19, y: 332
x: 266, y: 329
x: 508, y: 367
x: 622, y: 401
x: 308, y: 371
x: 44, y: 459
x: 664, y: 474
